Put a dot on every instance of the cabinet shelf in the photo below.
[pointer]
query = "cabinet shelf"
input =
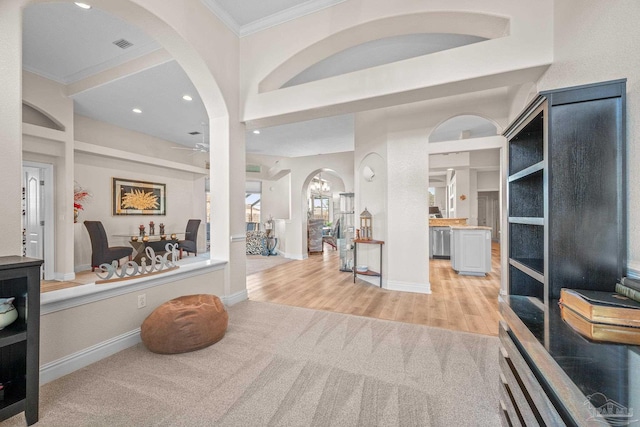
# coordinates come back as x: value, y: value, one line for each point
x: 527, y: 220
x: 526, y: 196
x: 13, y: 402
x: 525, y: 173
x: 533, y: 267
x: 13, y: 333
x: 368, y: 273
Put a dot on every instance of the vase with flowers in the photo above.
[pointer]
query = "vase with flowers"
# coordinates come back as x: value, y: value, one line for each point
x: 79, y: 197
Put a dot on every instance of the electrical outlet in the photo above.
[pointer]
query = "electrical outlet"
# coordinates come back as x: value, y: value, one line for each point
x: 142, y: 300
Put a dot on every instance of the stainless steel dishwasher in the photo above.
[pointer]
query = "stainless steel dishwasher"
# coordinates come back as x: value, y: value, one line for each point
x: 440, y: 242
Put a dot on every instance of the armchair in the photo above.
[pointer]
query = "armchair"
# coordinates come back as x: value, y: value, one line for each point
x: 101, y: 253
x: 330, y: 238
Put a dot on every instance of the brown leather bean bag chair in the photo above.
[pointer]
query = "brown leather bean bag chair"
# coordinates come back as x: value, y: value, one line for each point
x: 186, y: 323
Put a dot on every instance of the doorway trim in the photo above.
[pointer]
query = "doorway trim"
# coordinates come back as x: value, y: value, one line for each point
x: 49, y: 224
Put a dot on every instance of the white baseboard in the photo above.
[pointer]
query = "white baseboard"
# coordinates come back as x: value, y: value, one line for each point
x: 298, y: 257
x: 420, y: 288
x: 61, y: 367
x: 232, y: 299
x: 64, y: 277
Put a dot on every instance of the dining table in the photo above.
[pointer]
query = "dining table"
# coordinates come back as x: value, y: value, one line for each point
x: 157, y: 242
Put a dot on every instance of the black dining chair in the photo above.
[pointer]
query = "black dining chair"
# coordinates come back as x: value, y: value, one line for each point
x: 189, y: 243
x: 101, y: 253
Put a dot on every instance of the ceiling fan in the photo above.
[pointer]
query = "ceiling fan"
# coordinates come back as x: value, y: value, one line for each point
x: 201, y: 147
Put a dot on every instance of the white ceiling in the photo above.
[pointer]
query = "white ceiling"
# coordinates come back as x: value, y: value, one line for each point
x: 67, y: 44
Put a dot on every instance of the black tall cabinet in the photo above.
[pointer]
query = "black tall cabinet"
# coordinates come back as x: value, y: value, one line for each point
x: 566, y: 194
x: 20, y: 341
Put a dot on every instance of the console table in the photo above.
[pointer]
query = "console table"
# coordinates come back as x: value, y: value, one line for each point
x: 355, y: 259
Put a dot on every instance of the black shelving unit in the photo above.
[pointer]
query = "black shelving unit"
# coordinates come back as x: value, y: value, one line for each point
x: 20, y: 341
x: 566, y: 192
x: 567, y: 229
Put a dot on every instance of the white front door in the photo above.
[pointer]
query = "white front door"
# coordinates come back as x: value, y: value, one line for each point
x: 33, y: 213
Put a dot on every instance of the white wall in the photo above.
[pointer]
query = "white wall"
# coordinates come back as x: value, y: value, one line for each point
x: 521, y: 55
x: 185, y: 200
x: 489, y: 181
x: 598, y: 41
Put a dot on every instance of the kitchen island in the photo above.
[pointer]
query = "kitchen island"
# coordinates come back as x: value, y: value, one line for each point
x: 471, y: 249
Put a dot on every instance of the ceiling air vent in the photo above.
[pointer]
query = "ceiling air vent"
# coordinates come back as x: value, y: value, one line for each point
x: 195, y: 132
x: 123, y: 44
x: 253, y: 168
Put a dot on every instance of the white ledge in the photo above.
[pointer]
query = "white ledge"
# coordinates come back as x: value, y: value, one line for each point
x: 103, y: 151
x: 63, y: 299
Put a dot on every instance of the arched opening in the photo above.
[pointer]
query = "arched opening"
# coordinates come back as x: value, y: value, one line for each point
x: 321, y: 200
x: 169, y: 49
x: 481, y: 26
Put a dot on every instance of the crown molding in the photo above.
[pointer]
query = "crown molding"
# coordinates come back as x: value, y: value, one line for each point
x: 222, y: 14
x: 277, y: 18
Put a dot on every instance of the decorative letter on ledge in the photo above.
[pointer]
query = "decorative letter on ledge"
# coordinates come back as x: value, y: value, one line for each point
x: 131, y: 269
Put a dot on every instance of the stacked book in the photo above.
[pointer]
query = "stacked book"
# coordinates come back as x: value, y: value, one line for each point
x: 604, y: 316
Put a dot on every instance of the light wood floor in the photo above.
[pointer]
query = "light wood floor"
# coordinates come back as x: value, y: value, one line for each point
x: 462, y: 303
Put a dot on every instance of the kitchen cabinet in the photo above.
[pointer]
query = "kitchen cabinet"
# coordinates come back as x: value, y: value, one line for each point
x: 471, y: 250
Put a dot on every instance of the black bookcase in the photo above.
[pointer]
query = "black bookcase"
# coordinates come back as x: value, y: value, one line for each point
x: 566, y: 192
x: 20, y: 341
x: 566, y: 196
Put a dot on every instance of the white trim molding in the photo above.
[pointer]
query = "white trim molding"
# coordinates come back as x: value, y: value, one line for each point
x: 419, y: 288
x: 78, y: 360
x: 298, y: 257
x: 233, y: 299
x: 277, y: 18
x: 285, y: 15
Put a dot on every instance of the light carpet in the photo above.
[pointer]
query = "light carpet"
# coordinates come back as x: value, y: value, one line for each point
x: 289, y: 366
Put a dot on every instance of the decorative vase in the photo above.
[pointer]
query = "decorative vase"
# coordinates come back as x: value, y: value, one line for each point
x: 8, y: 313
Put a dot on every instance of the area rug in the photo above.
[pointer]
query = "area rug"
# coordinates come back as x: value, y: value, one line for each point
x: 289, y: 366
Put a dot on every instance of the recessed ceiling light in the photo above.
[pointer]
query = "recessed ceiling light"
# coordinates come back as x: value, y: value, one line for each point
x: 82, y: 5
x: 137, y: 111
x: 187, y: 98
x: 257, y: 132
